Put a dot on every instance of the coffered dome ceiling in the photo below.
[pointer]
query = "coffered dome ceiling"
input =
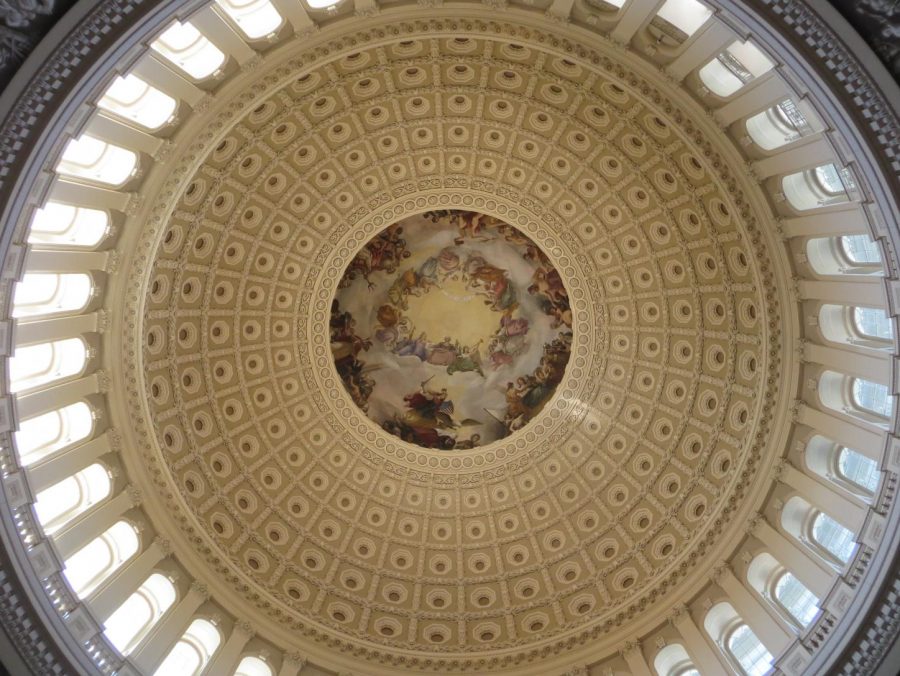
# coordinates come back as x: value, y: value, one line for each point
x: 319, y: 513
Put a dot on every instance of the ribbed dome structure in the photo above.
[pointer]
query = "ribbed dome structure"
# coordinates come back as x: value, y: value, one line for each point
x: 385, y: 338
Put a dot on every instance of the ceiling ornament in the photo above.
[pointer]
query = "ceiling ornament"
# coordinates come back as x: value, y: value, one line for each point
x: 333, y: 527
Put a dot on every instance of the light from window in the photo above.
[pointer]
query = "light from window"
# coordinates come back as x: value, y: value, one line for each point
x: 739, y: 64
x: 673, y: 660
x: 253, y: 666
x: 95, y: 160
x: 132, y: 98
x: 60, y: 503
x: 860, y: 249
x: 873, y: 397
x: 46, y: 293
x: 749, y: 651
x: 872, y: 323
x: 193, y: 650
x: 686, y: 15
x: 829, y: 179
x: 322, y: 4
x: 793, y: 595
x: 256, y: 18
x: 858, y: 469
x: 45, y: 434
x: 139, y: 613
x: 185, y: 46
x: 64, y: 224
x: 37, y: 365
x: 831, y: 535
x: 100, y: 558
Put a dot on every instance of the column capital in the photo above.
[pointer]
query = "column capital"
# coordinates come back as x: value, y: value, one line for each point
x: 629, y: 647
x: 719, y: 572
x: 678, y: 613
x: 200, y: 590
x: 754, y: 521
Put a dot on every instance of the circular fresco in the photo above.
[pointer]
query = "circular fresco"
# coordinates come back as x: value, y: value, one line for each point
x: 451, y: 329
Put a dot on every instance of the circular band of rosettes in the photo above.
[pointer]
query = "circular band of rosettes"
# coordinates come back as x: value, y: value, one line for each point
x: 605, y: 498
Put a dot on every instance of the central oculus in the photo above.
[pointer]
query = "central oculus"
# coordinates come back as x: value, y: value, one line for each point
x: 451, y: 329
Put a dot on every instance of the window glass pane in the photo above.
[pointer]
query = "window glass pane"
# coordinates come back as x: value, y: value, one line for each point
x: 750, y: 653
x: 872, y: 322
x: 253, y: 666
x: 95, y: 160
x: 873, y: 397
x: 797, y: 599
x: 860, y: 249
x: 98, y: 559
x: 256, y: 18
x: 136, y: 616
x: 685, y: 15
x: 37, y: 365
x: 192, y: 651
x: 321, y: 4
x: 184, y: 46
x: 42, y: 293
x: 40, y: 436
x: 833, y: 537
x: 858, y: 469
x: 829, y: 179
x: 65, y: 224
x: 132, y: 98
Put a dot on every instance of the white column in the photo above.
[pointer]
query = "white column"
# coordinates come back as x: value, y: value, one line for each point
x: 634, y: 16
x: 160, y: 75
x: 218, y: 31
x: 806, y: 569
x: 120, y: 134
x: 821, y: 496
x: 813, y: 151
x: 867, y: 441
x: 226, y: 658
x: 52, y: 398
x: 706, y: 46
x: 706, y: 660
x: 296, y: 15
x: 634, y: 657
x: 91, y: 524
x: 65, y: 261
x: 858, y: 291
x: 45, y: 330
x: 64, y: 464
x: 113, y: 592
x: 291, y: 665
x: 874, y: 367
x: 848, y: 219
x: 747, y: 103
x: 154, y: 649
x: 766, y: 627
x: 90, y: 196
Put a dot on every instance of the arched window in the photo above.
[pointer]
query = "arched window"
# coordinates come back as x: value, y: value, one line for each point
x: 58, y: 504
x: 832, y: 537
x: 735, y: 639
x: 677, y: 20
x: 322, y: 4
x: 253, y: 666
x: 133, y: 620
x: 133, y: 99
x: 872, y: 397
x: 101, y: 557
x: 185, y: 46
x: 778, y: 125
x: 872, y: 323
x: 734, y: 68
x: 748, y: 651
x: 860, y: 249
x: 67, y: 225
x: 48, y: 293
x: 795, y: 599
x: 858, y: 470
x: 255, y: 18
x: 673, y: 660
x: 44, y: 363
x: 843, y: 466
x: 91, y: 159
x: 822, y: 186
x: 193, y: 650
x: 45, y: 434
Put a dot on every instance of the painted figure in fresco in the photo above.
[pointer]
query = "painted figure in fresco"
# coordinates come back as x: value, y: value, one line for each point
x: 345, y: 348
x: 383, y: 254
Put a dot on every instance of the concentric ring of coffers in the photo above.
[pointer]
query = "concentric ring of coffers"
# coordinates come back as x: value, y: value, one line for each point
x: 637, y: 458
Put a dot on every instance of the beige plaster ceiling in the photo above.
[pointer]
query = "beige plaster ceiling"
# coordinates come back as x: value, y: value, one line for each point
x: 610, y: 500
